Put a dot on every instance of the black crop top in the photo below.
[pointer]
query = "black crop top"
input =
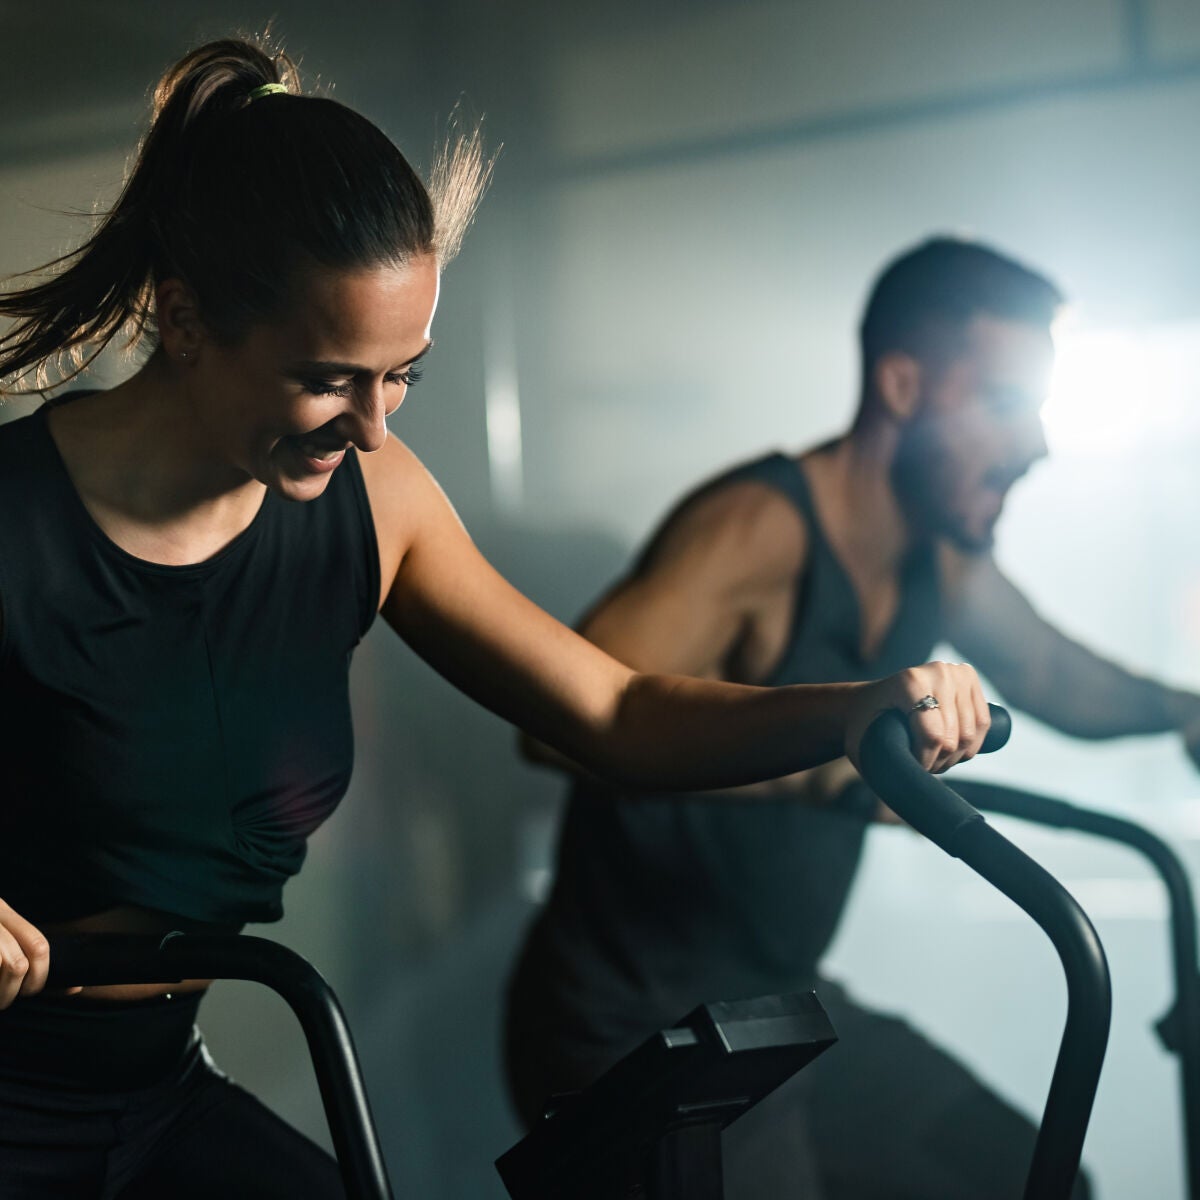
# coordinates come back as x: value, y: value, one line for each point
x: 171, y: 735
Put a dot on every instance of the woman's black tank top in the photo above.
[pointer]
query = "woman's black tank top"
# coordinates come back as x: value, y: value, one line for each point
x: 662, y: 903
x: 171, y: 735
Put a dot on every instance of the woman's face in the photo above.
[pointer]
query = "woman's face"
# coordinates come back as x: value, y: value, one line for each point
x: 286, y: 402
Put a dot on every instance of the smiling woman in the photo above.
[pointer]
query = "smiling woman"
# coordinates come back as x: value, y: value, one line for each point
x: 176, y: 635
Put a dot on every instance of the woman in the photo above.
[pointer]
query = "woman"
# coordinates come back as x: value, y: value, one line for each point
x: 176, y: 637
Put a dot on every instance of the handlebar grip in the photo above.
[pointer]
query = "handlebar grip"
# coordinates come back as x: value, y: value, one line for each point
x: 999, y: 732
x: 889, y: 769
x: 109, y: 958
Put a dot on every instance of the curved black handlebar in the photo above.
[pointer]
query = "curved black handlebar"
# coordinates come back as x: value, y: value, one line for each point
x: 1180, y: 1028
x: 928, y: 805
x: 999, y: 732
x: 120, y: 958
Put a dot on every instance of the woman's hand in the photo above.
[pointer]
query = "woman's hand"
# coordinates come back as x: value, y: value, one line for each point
x: 943, y: 734
x: 24, y: 957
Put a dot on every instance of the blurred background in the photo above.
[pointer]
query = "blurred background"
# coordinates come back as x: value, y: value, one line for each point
x: 691, y: 201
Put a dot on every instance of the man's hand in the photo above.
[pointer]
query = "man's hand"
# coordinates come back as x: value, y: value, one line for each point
x: 824, y: 786
x: 821, y: 786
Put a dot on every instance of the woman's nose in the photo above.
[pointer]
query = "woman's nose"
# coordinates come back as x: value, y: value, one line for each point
x: 370, y: 414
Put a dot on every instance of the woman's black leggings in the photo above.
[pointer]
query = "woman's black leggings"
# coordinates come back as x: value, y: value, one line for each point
x: 102, y: 1101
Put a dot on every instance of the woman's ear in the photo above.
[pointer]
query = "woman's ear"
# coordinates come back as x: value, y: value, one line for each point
x: 180, y: 330
x: 897, y: 379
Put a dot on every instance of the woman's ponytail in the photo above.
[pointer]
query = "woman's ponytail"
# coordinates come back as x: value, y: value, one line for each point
x: 106, y: 286
x: 240, y: 185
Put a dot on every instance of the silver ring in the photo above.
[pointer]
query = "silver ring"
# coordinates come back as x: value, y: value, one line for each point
x: 924, y: 703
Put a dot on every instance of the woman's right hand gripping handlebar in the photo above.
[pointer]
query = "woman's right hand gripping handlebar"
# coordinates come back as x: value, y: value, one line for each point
x: 24, y: 957
x: 947, y: 714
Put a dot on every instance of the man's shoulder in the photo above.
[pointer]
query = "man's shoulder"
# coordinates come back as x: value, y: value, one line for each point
x: 769, y: 486
x: 742, y: 516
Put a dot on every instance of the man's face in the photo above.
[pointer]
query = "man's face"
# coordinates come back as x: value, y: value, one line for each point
x: 976, y: 430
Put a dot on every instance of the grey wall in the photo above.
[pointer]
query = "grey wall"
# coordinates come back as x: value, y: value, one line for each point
x: 688, y: 208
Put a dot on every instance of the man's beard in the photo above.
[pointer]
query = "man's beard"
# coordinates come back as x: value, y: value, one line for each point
x: 922, y: 483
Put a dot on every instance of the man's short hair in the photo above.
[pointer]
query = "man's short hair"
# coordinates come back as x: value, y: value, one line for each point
x: 925, y: 297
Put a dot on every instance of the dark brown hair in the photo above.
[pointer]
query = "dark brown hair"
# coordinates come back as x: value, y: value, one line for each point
x: 929, y: 293
x: 232, y: 191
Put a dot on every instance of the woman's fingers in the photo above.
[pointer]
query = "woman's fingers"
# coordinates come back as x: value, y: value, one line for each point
x: 947, y: 713
x: 13, y: 966
x: 968, y: 741
x: 24, y: 957
x: 932, y: 714
x: 934, y: 730
x: 981, y: 715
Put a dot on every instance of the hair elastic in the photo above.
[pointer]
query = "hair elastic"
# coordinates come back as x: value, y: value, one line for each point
x: 265, y: 89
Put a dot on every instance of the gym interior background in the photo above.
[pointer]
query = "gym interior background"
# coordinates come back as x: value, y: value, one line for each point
x: 689, y: 204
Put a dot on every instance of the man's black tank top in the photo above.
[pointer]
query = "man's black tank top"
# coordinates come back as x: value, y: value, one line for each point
x: 664, y: 902
x: 171, y: 735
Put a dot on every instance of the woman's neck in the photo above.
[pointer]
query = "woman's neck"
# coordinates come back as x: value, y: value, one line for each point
x: 144, y: 469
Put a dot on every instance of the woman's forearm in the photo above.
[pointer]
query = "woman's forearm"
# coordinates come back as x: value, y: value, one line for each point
x: 674, y: 733
x: 677, y: 733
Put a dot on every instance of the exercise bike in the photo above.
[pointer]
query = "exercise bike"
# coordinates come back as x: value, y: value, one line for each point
x: 651, y: 1128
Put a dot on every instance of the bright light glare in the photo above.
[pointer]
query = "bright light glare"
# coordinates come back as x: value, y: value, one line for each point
x: 1116, y: 390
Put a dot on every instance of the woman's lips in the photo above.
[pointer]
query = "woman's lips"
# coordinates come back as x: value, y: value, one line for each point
x: 318, y: 457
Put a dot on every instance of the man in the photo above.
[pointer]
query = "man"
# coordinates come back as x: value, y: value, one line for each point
x: 845, y: 562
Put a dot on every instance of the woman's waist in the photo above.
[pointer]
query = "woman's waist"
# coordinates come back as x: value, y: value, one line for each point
x: 96, y: 1045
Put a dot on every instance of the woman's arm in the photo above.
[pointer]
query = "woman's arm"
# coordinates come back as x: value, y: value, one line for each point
x: 712, y: 597
x: 648, y: 730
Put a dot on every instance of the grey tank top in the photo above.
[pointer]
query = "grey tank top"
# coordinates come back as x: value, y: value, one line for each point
x: 664, y: 902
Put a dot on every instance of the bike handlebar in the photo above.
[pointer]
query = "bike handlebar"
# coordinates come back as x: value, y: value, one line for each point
x: 931, y: 807
x: 1179, y: 1029
x: 120, y: 958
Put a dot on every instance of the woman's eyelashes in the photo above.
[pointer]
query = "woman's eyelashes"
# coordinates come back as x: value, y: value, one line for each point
x: 344, y: 388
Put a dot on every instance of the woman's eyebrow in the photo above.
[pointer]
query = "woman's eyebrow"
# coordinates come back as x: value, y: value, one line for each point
x: 420, y: 354
x: 324, y: 367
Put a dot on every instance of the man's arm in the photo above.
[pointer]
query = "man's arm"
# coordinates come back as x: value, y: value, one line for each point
x: 1041, y: 671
